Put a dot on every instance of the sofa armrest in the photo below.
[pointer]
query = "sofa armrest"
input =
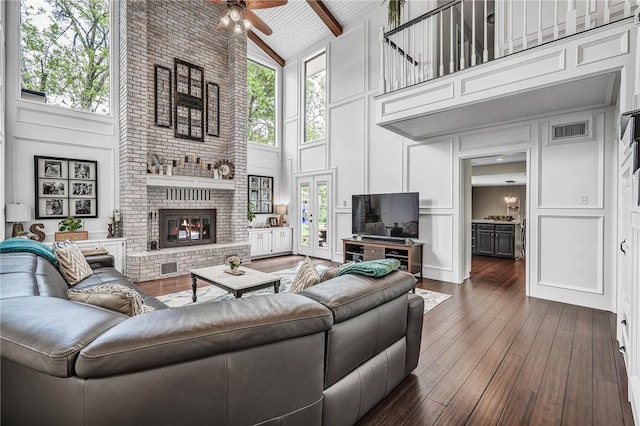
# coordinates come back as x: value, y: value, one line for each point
x: 100, y: 261
x: 176, y: 335
x: 415, y: 316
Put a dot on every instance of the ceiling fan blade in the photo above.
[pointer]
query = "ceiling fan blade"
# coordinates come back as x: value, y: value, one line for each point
x: 258, y: 23
x: 264, y: 4
x: 219, y: 1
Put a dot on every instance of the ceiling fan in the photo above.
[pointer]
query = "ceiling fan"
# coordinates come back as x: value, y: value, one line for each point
x: 240, y: 14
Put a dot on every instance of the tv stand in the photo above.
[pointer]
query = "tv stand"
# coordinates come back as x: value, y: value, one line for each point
x: 409, y: 255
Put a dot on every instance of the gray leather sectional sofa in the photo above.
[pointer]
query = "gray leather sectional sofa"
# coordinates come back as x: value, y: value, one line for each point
x: 324, y: 356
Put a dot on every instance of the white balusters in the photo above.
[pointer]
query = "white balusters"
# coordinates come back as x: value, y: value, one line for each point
x: 607, y: 12
x: 383, y: 61
x: 539, y: 22
x: 627, y: 8
x: 496, y: 33
x: 461, y: 35
x: 441, y: 66
x: 555, y: 19
x: 571, y: 20
x: 510, y: 31
x: 473, y: 33
x: 524, y: 25
x: 485, y: 51
x: 452, y: 52
x: 587, y: 17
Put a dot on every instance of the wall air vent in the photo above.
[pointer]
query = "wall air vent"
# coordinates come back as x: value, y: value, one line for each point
x: 168, y: 268
x: 573, y: 130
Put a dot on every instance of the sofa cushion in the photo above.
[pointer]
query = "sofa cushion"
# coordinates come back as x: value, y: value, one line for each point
x: 72, y: 264
x: 332, y: 272
x: 305, y: 277
x: 116, y: 297
x: 27, y: 274
x: 47, y: 333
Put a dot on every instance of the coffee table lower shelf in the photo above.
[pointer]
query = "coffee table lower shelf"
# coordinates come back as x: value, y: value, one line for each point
x: 236, y: 284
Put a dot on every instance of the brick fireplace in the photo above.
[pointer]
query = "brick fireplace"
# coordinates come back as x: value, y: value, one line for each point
x: 155, y: 32
x: 187, y: 227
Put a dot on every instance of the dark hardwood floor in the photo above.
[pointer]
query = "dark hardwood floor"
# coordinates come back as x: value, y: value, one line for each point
x: 490, y: 355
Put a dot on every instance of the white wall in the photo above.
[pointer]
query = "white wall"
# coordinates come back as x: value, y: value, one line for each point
x: 47, y: 130
x: 2, y: 114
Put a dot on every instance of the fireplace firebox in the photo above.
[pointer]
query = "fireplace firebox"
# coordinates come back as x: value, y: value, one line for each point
x: 181, y: 227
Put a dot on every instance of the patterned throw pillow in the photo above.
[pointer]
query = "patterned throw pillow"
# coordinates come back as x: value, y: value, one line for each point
x: 72, y: 264
x: 306, y: 277
x: 116, y: 297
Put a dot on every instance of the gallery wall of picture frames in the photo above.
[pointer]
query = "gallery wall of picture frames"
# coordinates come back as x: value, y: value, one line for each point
x: 65, y: 187
x: 261, y: 193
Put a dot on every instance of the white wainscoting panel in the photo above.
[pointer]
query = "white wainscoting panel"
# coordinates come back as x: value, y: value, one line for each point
x: 347, y: 65
x: 418, y: 98
x: 572, y: 174
x: 520, y: 134
x: 291, y: 89
x: 430, y: 172
x: 570, y: 252
x: 343, y: 230
x: 313, y: 157
x: 385, y: 157
x: 63, y: 118
x: 515, y: 72
x: 436, y: 231
x: 605, y: 48
x: 347, y: 124
x: 290, y: 134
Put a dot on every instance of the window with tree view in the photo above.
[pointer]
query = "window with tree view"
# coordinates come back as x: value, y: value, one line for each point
x: 315, y: 99
x: 65, y: 52
x: 261, y: 104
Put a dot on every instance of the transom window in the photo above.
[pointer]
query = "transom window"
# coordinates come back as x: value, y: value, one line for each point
x: 261, y: 104
x: 65, y: 53
x: 315, y: 99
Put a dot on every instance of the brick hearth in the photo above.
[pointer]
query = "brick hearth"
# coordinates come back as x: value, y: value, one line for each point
x: 155, y: 33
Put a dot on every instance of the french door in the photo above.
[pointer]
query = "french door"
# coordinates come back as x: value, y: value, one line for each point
x: 314, y: 230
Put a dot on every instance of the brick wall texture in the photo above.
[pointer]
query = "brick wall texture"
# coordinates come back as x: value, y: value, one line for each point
x: 155, y: 32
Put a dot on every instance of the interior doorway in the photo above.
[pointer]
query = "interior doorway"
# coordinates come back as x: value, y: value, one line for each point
x: 495, y: 208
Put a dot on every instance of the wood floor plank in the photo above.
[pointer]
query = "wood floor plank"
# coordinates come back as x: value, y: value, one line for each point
x: 425, y: 415
x: 578, y: 398
x: 583, y: 338
x: 604, y: 366
x: 606, y: 403
x: 550, y: 399
x: 493, y: 401
x: 525, y: 338
x: 518, y: 408
x: 623, y: 384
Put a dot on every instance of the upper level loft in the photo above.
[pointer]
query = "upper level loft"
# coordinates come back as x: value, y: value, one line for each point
x: 526, y: 57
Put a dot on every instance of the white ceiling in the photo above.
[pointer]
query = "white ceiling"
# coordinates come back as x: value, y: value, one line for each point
x: 296, y: 26
x: 499, y: 179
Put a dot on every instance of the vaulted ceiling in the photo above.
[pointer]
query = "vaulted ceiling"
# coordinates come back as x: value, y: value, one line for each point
x: 296, y: 26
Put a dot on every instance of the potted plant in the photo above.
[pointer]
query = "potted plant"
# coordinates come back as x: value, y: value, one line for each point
x: 234, y: 263
x: 395, y: 12
x: 69, y: 230
x: 250, y: 213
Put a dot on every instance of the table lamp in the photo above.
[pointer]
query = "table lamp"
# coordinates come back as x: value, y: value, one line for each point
x: 18, y: 213
x: 281, y: 211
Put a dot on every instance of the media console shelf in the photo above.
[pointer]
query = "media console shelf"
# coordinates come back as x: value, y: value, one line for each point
x: 409, y: 255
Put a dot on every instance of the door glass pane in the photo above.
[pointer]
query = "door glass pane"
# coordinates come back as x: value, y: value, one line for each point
x: 305, y: 215
x: 323, y: 209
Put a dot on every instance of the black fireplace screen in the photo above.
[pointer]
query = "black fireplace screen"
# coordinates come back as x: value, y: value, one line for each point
x: 180, y: 227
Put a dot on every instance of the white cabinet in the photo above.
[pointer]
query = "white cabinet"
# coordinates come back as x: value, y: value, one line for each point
x: 270, y: 241
x: 117, y: 247
x: 282, y: 240
x: 260, y: 240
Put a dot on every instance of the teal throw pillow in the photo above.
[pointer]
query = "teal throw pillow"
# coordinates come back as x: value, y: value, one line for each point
x: 372, y: 268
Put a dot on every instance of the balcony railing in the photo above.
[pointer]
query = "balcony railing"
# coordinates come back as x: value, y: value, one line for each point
x: 464, y: 33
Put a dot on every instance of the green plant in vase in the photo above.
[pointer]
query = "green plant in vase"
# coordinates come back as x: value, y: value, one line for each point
x: 250, y: 213
x: 69, y: 224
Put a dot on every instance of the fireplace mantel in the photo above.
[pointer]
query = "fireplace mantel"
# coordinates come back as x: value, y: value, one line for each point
x: 165, y: 181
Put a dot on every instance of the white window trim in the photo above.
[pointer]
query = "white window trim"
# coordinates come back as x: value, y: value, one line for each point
x: 278, y: 96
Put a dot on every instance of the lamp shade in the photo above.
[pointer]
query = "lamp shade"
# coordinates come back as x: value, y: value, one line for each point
x: 281, y: 209
x: 18, y: 212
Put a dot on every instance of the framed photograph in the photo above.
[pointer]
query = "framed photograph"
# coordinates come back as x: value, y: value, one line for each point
x: 65, y: 186
x: 163, y: 88
x: 261, y: 193
x: 273, y: 221
x: 213, y: 109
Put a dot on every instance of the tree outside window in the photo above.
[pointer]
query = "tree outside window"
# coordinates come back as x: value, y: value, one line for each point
x: 65, y: 52
x: 261, y: 104
x: 315, y: 105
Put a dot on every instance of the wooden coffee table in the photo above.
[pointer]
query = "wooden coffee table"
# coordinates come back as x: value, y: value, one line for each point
x: 236, y: 284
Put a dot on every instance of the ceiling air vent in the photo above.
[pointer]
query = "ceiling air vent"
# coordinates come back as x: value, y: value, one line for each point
x: 573, y: 130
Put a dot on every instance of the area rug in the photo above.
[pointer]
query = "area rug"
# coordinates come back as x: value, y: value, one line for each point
x: 209, y: 293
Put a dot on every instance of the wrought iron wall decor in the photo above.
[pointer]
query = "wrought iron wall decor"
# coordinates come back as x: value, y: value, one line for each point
x: 189, y: 109
x: 163, y: 92
x: 65, y: 187
x: 213, y: 109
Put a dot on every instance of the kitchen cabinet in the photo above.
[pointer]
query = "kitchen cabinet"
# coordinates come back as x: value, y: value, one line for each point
x: 496, y: 239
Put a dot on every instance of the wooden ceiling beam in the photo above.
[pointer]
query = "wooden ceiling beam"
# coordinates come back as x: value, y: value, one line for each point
x: 265, y: 47
x: 329, y: 20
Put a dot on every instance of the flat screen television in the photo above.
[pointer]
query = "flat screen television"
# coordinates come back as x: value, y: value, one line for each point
x: 385, y: 216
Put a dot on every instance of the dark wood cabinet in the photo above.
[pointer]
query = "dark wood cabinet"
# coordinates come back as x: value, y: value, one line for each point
x: 409, y: 255
x: 499, y: 240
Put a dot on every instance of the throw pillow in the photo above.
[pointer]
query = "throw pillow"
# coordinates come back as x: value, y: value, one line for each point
x: 72, y: 264
x: 305, y: 277
x: 371, y: 268
x: 116, y: 297
x: 329, y: 273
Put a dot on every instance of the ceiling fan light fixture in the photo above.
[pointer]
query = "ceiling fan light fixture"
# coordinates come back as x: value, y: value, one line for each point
x: 247, y: 24
x: 225, y: 20
x: 237, y: 28
x: 235, y: 12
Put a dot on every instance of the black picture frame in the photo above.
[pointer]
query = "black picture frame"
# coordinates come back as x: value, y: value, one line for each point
x: 65, y: 187
x: 189, y: 106
x: 260, y: 193
x: 163, y: 89
x: 213, y: 109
